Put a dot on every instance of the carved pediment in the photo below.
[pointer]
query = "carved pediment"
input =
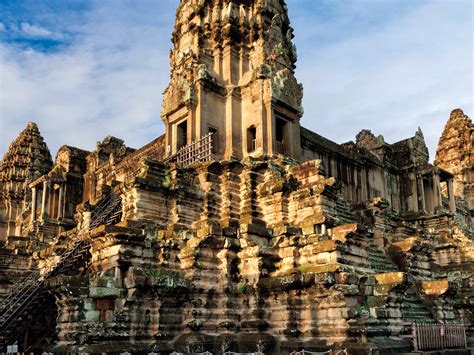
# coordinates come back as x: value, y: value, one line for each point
x: 286, y: 88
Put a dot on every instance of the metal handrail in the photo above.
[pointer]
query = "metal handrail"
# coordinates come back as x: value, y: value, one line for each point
x: 280, y: 147
x: 438, y: 336
x: 16, y: 301
x: 35, y: 273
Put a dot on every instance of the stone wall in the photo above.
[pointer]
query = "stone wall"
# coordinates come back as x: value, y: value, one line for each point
x: 285, y: 241
x: 272, y: 269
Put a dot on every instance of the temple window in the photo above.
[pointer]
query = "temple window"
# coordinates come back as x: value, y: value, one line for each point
x: 182, y: 134
x: 447, y: 190
x: 251, y: 139
x: 318, y: 229
x: 280, y: 135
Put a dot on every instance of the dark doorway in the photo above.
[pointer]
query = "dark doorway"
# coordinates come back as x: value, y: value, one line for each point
x: 182, y: 138
x: 281, y: 134
x: 251, y: 139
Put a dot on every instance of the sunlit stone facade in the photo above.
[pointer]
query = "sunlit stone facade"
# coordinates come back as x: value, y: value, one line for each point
x: 283, y: 240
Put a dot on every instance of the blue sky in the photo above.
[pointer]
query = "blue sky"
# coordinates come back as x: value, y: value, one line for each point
x: 84, y: 69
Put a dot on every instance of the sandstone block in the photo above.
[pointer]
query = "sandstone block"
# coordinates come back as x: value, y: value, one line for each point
x: 434, y: 288
x: 390, y: 278
x: 99, y: 292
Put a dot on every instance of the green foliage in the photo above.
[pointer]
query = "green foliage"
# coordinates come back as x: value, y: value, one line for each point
x: 243, y: 288
x: 166, y: 183
x: 156, y: 273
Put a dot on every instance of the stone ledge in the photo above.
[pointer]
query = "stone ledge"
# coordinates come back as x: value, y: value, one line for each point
x: 434, y: 288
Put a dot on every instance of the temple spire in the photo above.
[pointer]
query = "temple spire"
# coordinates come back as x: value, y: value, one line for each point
x: 232, y: 74
x: 27, y: 158
x: 455, y: 153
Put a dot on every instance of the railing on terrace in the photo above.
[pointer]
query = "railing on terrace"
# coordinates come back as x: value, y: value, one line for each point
x: 280, y: 147
x: 301, y: 352
x: 329, y: 352
x: 224, y: 353
x: 198, y: 151
x: 438, y: 336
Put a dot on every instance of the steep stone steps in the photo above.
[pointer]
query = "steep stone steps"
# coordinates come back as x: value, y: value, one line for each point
x: 367, y: 258
x: 414, y: 310
x: 379, y: 261
x: 344, y: 211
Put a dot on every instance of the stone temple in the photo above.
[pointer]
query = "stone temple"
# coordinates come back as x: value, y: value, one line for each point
x: 238, y: 229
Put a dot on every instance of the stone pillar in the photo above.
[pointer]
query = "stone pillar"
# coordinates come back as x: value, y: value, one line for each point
x: 244, y: 60
x: 437, y: 197
x: 413, y: 193
x: 33, y: 203
x: 44, y: 204
x: 63, y: 211
x: 364, y: 185
x: 452, y: 201
x: 60, y: 202
x: 169, y: 148
x: 421, y: 193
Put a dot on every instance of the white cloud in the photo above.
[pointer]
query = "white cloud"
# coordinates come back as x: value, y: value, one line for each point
x: 107, y: 82
x: 410, y: 72
x: 34, y: 31
x: 403, y: 73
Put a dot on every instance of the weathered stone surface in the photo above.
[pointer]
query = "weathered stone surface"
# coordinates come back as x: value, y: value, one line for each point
x: 344, y: 247
x: 232, y: 72
x: 434, y: 288
x: 456, y: 154
x: 27, y: 158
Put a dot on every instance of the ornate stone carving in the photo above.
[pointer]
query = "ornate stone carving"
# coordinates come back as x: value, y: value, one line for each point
x: 263, y: 252
x: 368, y: 140
x: 286, y: 88
x: 455, y: 153
x: 181, y: 88
x: 27, y: 159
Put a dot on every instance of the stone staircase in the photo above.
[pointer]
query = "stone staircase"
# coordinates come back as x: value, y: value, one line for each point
x: 379, y: 261
x: 414, y: 310
x: 21, y: 305
x: 344, y: 211
x: 391, y: 305
x: 24, y: 300
x: 364, y: 255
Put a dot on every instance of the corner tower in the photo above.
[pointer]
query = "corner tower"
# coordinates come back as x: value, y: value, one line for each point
x: 27, y: 158
x: 455, y: 154
x: 232, y: 74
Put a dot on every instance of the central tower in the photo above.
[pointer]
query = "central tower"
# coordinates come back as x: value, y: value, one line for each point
x: 232, y: 74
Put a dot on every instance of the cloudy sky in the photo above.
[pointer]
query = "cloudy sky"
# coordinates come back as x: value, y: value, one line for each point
x: 84, y: 69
